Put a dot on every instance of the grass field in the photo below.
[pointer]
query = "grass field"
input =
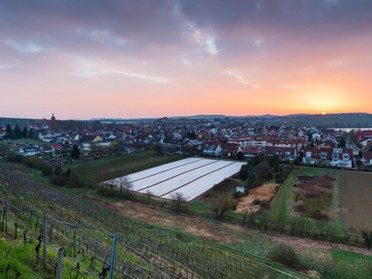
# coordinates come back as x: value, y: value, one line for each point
x: 351, y: 265
x: 356, y: 195
x: 115, y: 166
x: 30, y: 141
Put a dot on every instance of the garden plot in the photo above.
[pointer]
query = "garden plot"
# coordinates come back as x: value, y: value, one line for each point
x: 190, y: 177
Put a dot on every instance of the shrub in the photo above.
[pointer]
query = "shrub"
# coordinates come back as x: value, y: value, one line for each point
x: 280, y: 180
x: 14, y: 158
x: 46, y: 170
x: 58, y: 180
x: 287, y: 256
x: 82, y: 181
x: 256, y: 201
x: 318, y: 215
x: 58, y: 171
x: 300, y: 208
x: 221, y: 204
x: 238, y: 195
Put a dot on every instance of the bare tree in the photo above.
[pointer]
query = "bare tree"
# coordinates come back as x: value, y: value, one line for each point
x: 124, y: 185
x: 367, y: 238
x: 178, y: 200
x: 148, y: 196
x: 221, y: 204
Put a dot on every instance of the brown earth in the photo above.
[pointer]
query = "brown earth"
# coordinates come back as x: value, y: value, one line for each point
x: 313, y: 197
x: 356, y: 200
x: 300, y: 243
x: 100, y: 202
x: 186, y: 223
x: 223, y: 233
x: 264, y: 193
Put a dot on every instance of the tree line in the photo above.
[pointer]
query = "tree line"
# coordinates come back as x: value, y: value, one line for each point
x: 18, y: 133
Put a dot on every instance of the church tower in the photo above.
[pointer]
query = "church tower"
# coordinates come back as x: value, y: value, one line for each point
x: 52, y: 122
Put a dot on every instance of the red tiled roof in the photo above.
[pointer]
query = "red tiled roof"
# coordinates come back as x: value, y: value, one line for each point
x: 367, y: 155
x: 279, y: 149
x: 316, y: 151
x: 249, y: 149
x: 230, y: 148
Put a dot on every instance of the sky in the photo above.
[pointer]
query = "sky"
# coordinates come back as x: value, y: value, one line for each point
x: 154, y: 58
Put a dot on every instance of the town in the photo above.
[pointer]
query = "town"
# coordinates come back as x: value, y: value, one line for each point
x: 239, y: 138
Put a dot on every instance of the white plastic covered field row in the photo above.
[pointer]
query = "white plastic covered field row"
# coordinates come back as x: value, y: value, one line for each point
x: 191, y: 177
x: 162, y: 168
x: 184, y: 171
x: 200, y: 186
x: 173, y: 183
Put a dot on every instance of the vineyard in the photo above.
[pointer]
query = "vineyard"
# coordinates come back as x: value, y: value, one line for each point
x: 86, y: 232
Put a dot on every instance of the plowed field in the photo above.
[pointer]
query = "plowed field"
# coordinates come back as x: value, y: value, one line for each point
x: 356, y: 200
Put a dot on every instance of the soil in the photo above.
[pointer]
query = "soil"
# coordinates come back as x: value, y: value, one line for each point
x: 356, y: 193
x: 264, y: 193
x: 313, y: 196
x: 186, y: 223
x: 301, y: 243
x: 101, y: 202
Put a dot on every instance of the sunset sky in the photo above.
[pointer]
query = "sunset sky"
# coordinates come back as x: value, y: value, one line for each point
x: 82, y: 59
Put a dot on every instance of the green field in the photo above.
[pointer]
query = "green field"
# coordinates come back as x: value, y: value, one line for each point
x: 115, y: 166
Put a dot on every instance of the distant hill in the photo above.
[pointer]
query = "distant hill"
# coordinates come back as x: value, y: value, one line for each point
x: 339, y: 120
x: 19, y: 121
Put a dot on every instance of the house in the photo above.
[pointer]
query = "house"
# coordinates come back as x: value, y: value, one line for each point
x: 57, y: 146
x: 29, y: 151
x: 46, y: 138
x: 342, y: 157
x: 231, y: 149
x: 367, y: 145
x: 284, y: 153
x: 171, y: 148
x: 364, y: 135
x: 251, y: 151
x: 212, y: 148
x: 97, y: 139
x: 47, y: 149
x: 192, y: 145
x: 314, y: 155
x: 367, y: 158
